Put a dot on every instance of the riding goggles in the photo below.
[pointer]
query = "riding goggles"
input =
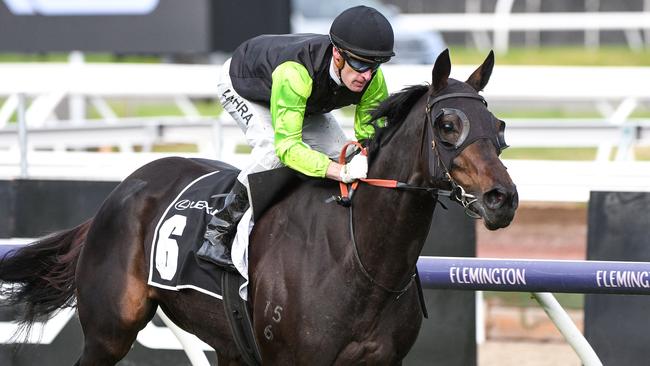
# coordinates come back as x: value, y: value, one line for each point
x: 361, y: 64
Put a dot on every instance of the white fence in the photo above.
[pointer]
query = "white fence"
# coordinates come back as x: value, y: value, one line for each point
x: 49, y: 84
x: 502, y: 21
x: 614, y: 91
x: 537, y: 180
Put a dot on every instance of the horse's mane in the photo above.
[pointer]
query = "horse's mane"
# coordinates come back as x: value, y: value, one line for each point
x: 394, y: 109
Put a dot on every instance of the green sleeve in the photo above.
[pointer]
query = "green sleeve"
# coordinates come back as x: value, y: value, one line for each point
x: 291, y: 86
x: 374, y: 94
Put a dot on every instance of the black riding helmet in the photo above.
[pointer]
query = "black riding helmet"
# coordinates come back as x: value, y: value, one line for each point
x: 364, y: 32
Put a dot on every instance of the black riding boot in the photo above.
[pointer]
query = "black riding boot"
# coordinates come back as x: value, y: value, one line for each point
x: 222, y: 228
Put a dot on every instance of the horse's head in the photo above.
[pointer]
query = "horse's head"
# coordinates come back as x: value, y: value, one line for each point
x: 463, y: 143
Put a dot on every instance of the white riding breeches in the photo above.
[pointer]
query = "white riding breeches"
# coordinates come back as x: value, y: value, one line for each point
x: 321, y: 132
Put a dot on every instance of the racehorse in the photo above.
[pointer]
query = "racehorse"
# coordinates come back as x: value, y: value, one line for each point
x: 326, y: 287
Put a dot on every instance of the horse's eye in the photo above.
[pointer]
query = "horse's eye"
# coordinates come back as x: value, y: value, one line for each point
x: 447, y: 126
x: 451, y: 127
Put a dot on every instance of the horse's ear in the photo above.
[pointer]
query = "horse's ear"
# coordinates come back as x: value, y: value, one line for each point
x: 441, y: 70
x: 479, y: 78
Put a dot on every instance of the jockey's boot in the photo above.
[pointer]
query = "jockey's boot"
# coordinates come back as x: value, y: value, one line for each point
x: 222, y: 227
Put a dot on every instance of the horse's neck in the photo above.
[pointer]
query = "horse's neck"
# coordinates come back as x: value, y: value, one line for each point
x: 391, y: 225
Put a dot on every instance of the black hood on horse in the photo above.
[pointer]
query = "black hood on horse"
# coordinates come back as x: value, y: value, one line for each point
x: 454, y: 117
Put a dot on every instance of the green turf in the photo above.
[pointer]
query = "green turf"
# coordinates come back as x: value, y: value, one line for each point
x: 559, y: 113
x: 567, y: 55
x: 88, y: 57
x: 550, y: 154
x: 524, y: 299
x: 126, y: 108
x: 547, y: 55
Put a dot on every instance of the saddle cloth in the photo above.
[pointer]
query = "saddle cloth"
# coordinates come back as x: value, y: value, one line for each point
x: 179, y: 235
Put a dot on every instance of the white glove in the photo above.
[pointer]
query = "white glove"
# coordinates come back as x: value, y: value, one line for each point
x: 357, y: 168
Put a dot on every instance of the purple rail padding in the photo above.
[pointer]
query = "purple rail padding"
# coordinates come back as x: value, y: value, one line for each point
x: 532, y: 275
x: 4, y: 249
x: 525, y: 275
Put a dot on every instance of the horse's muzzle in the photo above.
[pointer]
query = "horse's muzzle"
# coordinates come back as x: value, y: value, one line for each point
x: 498, y: 206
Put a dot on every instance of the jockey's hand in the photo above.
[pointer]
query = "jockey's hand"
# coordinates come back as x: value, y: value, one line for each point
x: 357, y: 168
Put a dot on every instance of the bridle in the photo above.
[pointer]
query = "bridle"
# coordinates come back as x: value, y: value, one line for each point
x: 456, y: 193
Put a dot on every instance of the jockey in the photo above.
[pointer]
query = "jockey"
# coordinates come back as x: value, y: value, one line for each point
x: 280, y: 90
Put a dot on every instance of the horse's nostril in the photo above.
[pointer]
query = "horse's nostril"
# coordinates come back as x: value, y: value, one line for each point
x: 495, y: 198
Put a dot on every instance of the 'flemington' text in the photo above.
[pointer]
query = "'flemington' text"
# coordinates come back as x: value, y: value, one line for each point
x: 482, y: 275
x: 640, y: 279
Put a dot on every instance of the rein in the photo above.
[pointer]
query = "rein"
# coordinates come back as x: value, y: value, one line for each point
x: 456, y: 193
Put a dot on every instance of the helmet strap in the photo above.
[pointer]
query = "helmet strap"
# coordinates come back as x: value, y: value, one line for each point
x: 339, y: 64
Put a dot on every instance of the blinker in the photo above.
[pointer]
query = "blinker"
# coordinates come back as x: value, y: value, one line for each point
x: 455, y: 138
x: 462, y: 129
x: 501, y: 138
x: 454, y: 142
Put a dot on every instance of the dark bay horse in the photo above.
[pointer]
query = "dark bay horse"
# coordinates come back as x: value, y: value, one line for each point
x: 325, y: 288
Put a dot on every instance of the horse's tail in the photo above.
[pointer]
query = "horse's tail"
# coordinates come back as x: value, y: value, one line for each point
x: 41, y: 276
